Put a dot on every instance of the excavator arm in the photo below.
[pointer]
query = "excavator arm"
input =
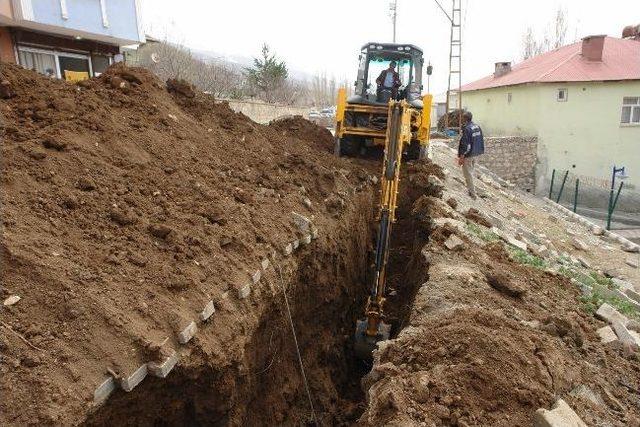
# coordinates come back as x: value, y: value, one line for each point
x: 373, y: 328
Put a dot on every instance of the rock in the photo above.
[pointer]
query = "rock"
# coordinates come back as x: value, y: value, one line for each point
x: 86, y: 184
x: 540, y: 251
x: 54, y: 144
x: 6, y: 91
x: 452, y: 202
x: 630, y: 247
x: 160, y: 231
x: 453, y: 243
x: 597, y: 230
x: 302, y: 222
x: 122, y: 217
x: 578, y: 244
x: 633, y: 325
x: 561, y: 415
x: 505, y: 284
x: 606, y: 334
x: 584, y: 262
x: 435, y: 181
x: 11, y: 300
x: 624, y: 335
x: 307, y: 202
x: 585, y: 393
x: 621, y: 284
x: 632, y: 262
x: 609, y: 314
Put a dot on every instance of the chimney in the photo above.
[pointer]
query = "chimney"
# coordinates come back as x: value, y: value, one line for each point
x: 592, y: 47
x: 502, y: 68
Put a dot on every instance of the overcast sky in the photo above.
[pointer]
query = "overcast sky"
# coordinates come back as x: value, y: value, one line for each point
x: 326, y: 35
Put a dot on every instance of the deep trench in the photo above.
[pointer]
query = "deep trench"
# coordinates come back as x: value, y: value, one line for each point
x: 327, y: 292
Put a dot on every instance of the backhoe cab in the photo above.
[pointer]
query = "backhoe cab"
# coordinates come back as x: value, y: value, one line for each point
x: 361, y: 120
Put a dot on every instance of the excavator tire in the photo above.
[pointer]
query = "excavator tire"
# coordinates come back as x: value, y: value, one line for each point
x: 349, y: 146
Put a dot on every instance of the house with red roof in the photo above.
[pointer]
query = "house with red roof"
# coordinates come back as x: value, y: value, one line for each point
x: 581, y: 101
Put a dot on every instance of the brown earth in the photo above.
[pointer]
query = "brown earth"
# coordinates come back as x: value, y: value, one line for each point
x: 128, y: 204
x: 486, y: 340
x: 125, y: 208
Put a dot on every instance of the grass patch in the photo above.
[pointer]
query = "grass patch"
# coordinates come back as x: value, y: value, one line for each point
x: 600, y: 294
x: 481, y: 232
x: 524, y: 257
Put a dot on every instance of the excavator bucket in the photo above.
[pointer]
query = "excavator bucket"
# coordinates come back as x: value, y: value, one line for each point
x: 364, y: 344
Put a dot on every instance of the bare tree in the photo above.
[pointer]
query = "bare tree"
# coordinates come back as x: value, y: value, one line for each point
x: 560, y: 29
x: 551, y: 39
x: 175, y: 61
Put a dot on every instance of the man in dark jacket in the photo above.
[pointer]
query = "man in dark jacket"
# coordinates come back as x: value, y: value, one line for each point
x: 389, y: 79
x: 470, y: 147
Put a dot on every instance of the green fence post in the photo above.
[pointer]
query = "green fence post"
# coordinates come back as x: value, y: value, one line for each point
x: 566, y: 174
x: 553, y: 176
x: 575, y: 196
x: 613, y: 206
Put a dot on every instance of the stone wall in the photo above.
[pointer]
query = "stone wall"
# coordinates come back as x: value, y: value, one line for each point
x: 262, y: 112
x: 512, y: 158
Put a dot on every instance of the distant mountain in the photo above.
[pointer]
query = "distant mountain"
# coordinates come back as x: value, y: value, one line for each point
x: 240, y: 62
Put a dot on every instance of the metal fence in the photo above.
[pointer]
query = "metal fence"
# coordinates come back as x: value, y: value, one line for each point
x: 612, y: 202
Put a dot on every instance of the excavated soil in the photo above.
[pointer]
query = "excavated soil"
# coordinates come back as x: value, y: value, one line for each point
x: 127, y: 204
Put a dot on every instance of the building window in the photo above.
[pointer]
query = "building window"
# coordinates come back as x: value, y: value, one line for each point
x: 509, y: 97
x: 630, y: 110
x: 51, y: 63
x: 561, y: 95
x: 41, y: 61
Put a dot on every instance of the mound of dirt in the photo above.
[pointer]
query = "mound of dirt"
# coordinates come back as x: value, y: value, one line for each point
x: 301, y: 128
x: 127, y: 206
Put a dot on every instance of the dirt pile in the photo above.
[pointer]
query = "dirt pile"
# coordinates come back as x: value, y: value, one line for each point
x: 303, y: 129
x: 487, y: 340
x: 125, y: 208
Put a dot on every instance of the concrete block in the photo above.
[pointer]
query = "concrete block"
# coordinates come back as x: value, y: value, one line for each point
x: 606, y: 334
x: 288, y: 249
x: 628, y: 246
x: 517, y: 243
x: 453, y: 242
x: 185, y: 335
x: 302, y: 222
x: 578, y: 244
x: 625, y: 297
x: 561, y: 415
x: 632, y: 294
x: 584, y: 262
x: 255, y: 277
x: 314, y: 233
x: 295, y: 244
x: 104, y: 390
x: 161, y: 370
x: 264, y: 264
x: 130, y: 382
x: 624, y: 335
x: 632, y: 262
x: 306, y: 239
x: 244, y: 291
x: 207, y: 311
x: 609, y: 314
x: 623, y: 285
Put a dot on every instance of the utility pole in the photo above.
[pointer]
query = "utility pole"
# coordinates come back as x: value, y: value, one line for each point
x: 454, y: 94
x: 393, y: 11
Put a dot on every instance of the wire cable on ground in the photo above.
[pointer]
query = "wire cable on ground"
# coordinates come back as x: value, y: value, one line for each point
x: 295, y: 340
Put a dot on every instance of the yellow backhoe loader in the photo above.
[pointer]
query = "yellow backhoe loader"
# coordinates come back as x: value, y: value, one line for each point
x: 399, y: 123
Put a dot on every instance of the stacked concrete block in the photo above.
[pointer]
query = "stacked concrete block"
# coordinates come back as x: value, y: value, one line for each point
x: 129, y: 382
x: 162, y: 369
